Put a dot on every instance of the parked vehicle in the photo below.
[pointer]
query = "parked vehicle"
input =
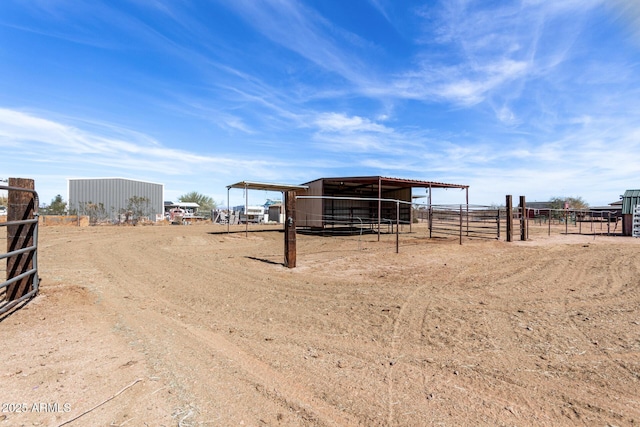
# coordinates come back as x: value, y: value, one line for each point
x: 253, y: 215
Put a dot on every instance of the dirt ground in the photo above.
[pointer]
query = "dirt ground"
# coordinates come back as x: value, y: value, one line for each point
x: 181, y: 325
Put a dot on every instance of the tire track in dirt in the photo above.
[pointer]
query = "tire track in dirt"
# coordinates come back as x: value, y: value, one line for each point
x: 412, y: 311
x: 266, y: 381
x: 607, y: 287
x: 407, y: 319
x: 271, y: 383
x: 200, y: 343
x: 612, y: 291
x: 556, y: 276
x: 336, y: 321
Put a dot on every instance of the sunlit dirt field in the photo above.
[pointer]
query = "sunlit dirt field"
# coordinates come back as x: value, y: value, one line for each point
x: 184, y: 325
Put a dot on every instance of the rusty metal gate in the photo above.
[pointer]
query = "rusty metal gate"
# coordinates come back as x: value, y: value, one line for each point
x: 21, y: 255
x: 480, y: 222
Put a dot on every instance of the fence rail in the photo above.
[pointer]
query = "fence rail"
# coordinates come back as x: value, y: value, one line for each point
x: 576, y: 221
x: 21, y: 256
x: 471, y: 221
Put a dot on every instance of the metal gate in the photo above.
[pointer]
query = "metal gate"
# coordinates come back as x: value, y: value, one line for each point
x: 21, y: 255
x: 480, y: 222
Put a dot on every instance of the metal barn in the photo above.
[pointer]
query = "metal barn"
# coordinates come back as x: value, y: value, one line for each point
x: 353, y: 200
x: 112, y: 196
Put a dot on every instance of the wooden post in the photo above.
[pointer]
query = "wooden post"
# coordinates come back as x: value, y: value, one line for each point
x: 523, y: 219
x: 509, y: 219
x: 21, y: 207
x: 290, y: 229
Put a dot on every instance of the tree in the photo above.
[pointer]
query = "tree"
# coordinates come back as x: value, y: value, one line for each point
x: 95, y: 211
x: 57, y: 206
x: 206, y: 203
x: 573, y: 202
x: 137, y: 208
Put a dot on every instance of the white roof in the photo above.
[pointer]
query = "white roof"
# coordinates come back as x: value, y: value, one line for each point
x: 185, y: 205
x: 252, y: 185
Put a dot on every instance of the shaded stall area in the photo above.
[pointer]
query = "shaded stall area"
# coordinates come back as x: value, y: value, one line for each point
x: 374, y: 202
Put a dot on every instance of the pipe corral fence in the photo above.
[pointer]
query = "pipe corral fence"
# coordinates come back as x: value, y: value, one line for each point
x: 353, y: 217
x: 21, y: 256
x: 347, y: 216
x: 574, y: 221
x: 471, y: 221
x: 381, y: 223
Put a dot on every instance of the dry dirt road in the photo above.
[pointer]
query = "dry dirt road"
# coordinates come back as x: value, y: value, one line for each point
x: 179, y: 325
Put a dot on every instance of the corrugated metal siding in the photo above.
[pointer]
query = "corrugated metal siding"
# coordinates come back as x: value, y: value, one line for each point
x: 319, y: 213
x: 403, y: 194
x: 114, y: 194
x: 308, y: 211
x: 630, y: 199
x: 348, y: 211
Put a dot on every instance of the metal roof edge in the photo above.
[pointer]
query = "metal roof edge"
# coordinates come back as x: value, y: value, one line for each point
x: 254, y: 185
x: 396, y: 180
x: 115, y: 177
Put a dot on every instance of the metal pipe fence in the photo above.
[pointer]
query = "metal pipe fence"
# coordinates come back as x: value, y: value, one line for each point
x: 470, y: 221
x: 349, y: 216
x: 22, y: 247
x: 575, y: 221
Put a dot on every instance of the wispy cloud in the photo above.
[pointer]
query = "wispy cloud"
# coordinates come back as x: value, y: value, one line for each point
x: 492, y: 94
x: 360, y: 136
x: 305, y: 32
x: 627, y: 13
x: 380, y: 7
x: 114, y: 147
x: 341, y: 123
x: 493, y: 50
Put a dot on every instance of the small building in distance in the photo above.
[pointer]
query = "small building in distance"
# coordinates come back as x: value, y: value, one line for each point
x: 109, y: 198
x: 250, y: 214
x: 630, y: 200
x: 182, y: 211
x: 613, y: 210
x: 276, y: 213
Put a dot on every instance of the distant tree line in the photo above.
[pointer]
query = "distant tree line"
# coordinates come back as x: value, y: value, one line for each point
x: 206, y: 203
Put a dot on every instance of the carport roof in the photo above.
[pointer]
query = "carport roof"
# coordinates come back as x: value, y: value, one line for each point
x: 400, y: 182
x: 252, y: 185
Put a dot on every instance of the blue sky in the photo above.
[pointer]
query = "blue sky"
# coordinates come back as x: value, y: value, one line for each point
x: 535, y: 98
